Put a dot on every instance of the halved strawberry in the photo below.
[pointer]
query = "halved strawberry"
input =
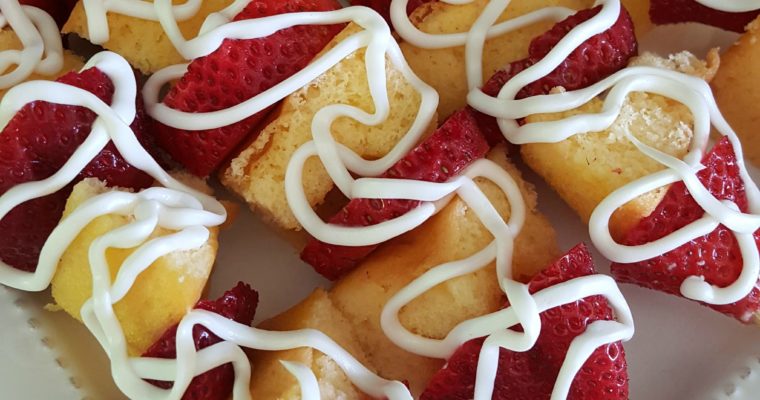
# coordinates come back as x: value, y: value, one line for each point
x: 677, y: 11
x: 238, y: 304
x: 35, y: 144
x: 531, y: 375
x: 58, y: 9
x: 383, y: 7
x: 449, y: 150
x: 595, y: 59
x: 236, y: 72
x: 716, y: 256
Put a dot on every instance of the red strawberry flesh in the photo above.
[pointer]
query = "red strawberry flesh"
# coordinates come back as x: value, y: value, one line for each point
x: 716, y: 256
x: 531, y: 375
x: 677, y: 11
x: 238, y: 304
x: 35, y: 144
x: 595, y: 59
x: 448, y: 151
x: 236, y: 72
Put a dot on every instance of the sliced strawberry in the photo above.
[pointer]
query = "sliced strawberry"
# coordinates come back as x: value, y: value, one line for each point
x: 58, y: 9
x: 236, y: 72
x: 677, y: 11
x: 595, y: 59
x: 450, y: 149
x: 716, y: 256
x: 531, y: 375
x: 35, y: 144
x: 238, y: 304
x: 383, y: 7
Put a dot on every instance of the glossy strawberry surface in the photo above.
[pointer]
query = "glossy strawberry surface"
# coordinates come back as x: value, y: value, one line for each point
x: 716, y: 256
x: 35, y: 144
x: 531, y: 375
x: 449, y: 150
x: 236, y: 72
x: 238, y: 304
x: 677, y: 11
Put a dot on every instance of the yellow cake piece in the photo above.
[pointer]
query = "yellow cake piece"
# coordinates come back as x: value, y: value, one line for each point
x: 143, y: 43
x: 586, y: 168
x: 444, y: 69
x: 735, y: 89
x: 357, y: 300
x: 10, y: 41
x: 258, y: 173
x: 161, y: 296
x: 270, y: 380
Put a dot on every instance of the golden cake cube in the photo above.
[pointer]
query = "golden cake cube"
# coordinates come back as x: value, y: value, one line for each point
x: 444, y: 69
x: 735, y: 88
x: 257, y: 174
x: 142, y: 42
x: 160, y: 297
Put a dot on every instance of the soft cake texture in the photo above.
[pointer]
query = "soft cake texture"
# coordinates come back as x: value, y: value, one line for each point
x: 162, y: 294
x: 586, y: 168
x: 258, y: 173
x: 452, y: 234
x: 10, y: 41
x: 143, y: 43
x: 444, y: 69
x: 735, y: 88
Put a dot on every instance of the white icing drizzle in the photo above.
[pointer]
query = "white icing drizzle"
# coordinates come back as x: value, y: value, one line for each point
x: 692, y: 92
x: 42, y: 48
x: 162, y: 11
x: 190, y: 214
x: 733, y: 6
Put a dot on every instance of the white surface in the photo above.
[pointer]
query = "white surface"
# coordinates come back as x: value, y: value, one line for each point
x: 681, y: 350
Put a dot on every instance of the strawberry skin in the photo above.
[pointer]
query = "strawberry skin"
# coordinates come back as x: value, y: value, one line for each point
x: 595, y: 59
x: 35, y: 144
x: 677, y: 11
x: 236, y: 72
x: 449, y: 150
x: 715, y: 256
x: 383, y: 7
x: 238, y: 304
x: 532, y: 375
x: 58, y: 9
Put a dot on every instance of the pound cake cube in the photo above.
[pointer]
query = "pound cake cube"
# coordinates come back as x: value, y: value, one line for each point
x: 586, y: 168
x: 639, y: 11
x: 10, y: 41
x: 444, y: 69
x: 162, y: 294
x: 453, y: 234
x: 141, y: 42
x: 270, y: 380
x: 735, y: 89
x: 258, y: 173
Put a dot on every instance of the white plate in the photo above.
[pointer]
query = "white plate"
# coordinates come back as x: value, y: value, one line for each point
x: 681, y: 350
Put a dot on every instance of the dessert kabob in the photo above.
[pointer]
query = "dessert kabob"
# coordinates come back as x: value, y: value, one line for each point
x: 697, y: 238
x: 190, y: 213
x: 151, y: 247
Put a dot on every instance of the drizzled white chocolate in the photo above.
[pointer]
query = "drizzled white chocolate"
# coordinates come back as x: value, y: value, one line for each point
x: 733, y: 6
x: 42, y: 51
x: 190, y: 214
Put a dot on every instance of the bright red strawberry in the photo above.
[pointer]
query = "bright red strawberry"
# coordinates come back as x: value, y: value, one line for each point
x: 715, y: 256
x: 597, y: 58
x: 236, y: 72
x: 35, y: 144
x: 449, y: 150
x: 677, y: 11
x: 383, y: 7
x: 238, y: 304
x: 532, y: 375
x: 58, y: 9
